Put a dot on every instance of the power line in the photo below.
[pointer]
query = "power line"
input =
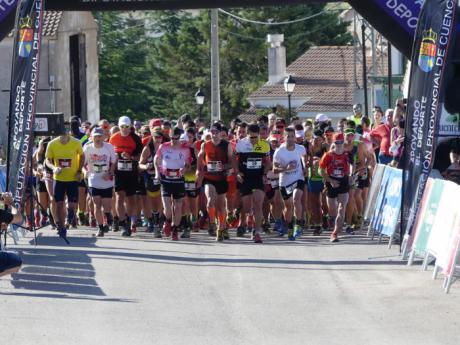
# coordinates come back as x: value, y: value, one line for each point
x: 275, y: 23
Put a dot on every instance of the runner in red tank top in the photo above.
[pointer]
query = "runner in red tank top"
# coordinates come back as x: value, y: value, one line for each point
x: 334, y: 167
x: 214, y: 160
x: 128, y: 147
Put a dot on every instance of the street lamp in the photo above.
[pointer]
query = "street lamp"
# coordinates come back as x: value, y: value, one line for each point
x: 199, y: 97
x: 289, y: 86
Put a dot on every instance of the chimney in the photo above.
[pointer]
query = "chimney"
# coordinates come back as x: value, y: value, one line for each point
x: 276, y: 58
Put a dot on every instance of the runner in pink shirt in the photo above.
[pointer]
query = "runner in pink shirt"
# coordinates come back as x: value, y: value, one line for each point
x: 171, y: 161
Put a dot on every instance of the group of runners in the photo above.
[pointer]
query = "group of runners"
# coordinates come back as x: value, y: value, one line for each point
x: 267, y: 176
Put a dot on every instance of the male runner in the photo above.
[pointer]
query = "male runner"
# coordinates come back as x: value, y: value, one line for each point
x: 100, y: 163
x: 335, y: 170
x: 254, y: 162
x: 64, y: 155
x: 214, y: 160
x: 128, y: 147
x: 290, y: 162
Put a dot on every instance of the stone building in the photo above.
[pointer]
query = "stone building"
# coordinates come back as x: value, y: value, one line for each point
x: 69, y: 80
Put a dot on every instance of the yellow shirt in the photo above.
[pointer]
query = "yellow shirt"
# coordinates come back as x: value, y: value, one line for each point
x: 67, y: 157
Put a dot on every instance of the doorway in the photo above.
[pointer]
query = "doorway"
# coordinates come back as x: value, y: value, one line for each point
x: 77, y: 52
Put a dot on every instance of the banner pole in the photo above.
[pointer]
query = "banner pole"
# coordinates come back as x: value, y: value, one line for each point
x: 8, y: 147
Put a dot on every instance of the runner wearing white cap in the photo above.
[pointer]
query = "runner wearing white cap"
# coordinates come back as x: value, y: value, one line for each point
x: 99, y: 169
x: 128, y: 147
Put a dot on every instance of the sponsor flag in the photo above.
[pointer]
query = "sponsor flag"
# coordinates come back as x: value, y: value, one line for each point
x: 24, y: 82
x: 431, y: 55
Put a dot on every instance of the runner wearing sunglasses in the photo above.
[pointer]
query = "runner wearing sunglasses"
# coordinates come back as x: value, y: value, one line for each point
x: 214, y: 160
x: 128, y: 147
x: 253, y: 156
x: 171, y: 161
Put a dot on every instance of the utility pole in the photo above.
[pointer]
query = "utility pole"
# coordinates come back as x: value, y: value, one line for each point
x: 215, y: 80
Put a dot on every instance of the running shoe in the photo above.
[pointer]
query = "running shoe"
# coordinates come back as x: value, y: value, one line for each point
x: 106, y: 228
x: 212, y: 229
x: 258, y: 238
x: 150, y: 227
x: 220, y: 236
x: 43, y: 221
x: 185, y: 233
x: 240, y: 231
x: 297, y: 231
x: 175, y: 234
x: 62, y: 232
x: 349, y: 230
x: 126, y: 230
x: 226, y: 234
x: 157, y: 233
x: 100, y: 233
x: 81, y: 218
x: 334, y: 238
x: 317, y: 230
x: 133, y: 228
x: 115, y: 225
x: 291, y: 236
x: 167, y: 228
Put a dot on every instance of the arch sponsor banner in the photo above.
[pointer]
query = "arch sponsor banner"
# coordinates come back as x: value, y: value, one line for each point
x: 374, y: 190
x: 453, y: 250
x: 431, y: 56
x: 6, y: 6
x: 388, y: 205
x: 444, y: 224
x: 377, y: 211
x: 425, y: 217
x: 24, y: 84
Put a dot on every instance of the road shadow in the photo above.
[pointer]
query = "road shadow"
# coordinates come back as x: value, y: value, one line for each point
x: 58, y: 272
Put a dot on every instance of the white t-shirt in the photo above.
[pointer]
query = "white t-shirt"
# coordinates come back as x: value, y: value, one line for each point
x: 284, y: 157
x: 98, y: 161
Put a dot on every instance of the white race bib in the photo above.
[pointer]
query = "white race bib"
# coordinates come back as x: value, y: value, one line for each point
x: 125, y: 165
x: 254, y: 163
x: 190, y: 186
x: 215, y: 166
x: 291, y: 187
x: 100, y: 168
x: 65, y: 163
x: 173, y: 173
x: 338, y: 173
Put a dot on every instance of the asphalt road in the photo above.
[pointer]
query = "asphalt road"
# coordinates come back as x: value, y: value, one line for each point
x: 145, y: 291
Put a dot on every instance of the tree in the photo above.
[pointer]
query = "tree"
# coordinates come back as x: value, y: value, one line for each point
x: 177, y: 60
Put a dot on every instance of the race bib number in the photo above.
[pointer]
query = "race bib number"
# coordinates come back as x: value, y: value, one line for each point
x: 338, y: 173
x: 65, y: 163
x: 215, y: 166
x: 100, y: 168
x: 190, y: 186
x: 125, y: 165
x: 254, y: 163
x: 290, y: 189
x: 275, y: 183
x: 173, y: 173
